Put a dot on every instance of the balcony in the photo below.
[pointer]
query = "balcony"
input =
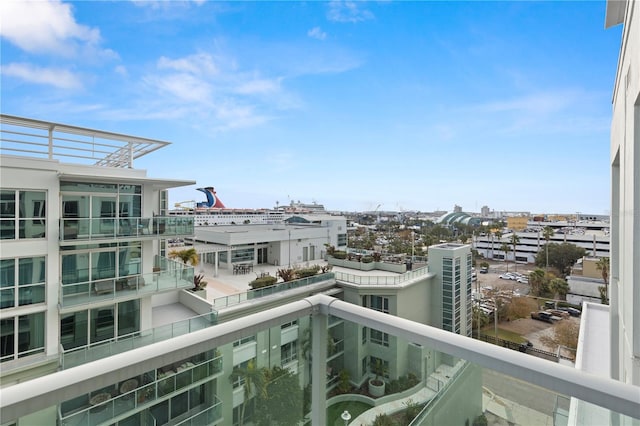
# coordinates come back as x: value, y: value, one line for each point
x: 77, y: 230
x: 78, y: 356
x: 172, y: 275
x: 382, y: 280
x: 459, y: 379
x: 142, y: 392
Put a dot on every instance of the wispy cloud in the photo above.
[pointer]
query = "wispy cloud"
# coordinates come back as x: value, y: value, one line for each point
x: 48, y: 27
x: 60, y: 78
x: 317, y: 33
x: 348, y: 11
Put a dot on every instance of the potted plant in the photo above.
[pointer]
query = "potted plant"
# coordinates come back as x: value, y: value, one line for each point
x: 377, y: 384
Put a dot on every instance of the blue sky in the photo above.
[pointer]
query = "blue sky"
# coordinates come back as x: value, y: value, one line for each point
x: 412, y: 105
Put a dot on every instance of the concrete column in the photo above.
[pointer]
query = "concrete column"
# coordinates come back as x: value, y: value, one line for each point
x: 319, y: 369
x: 215, y: 264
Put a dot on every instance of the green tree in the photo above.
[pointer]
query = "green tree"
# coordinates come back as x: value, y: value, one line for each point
x: 561, y: 256
x: 537, y: 282
x: 559, y: 288
x: 254, y: 383
x: 505, y: 248
x: 514, y: 240
x: 187, y: 256
x: 603, y: 267
x: 282, y: 401
x: 547, y: 233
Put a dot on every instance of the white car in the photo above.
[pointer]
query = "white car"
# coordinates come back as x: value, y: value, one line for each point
x: 507, y: 276
x: 523, y: 280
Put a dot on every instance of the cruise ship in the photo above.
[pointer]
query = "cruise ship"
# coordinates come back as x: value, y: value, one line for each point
x: 213, y: 212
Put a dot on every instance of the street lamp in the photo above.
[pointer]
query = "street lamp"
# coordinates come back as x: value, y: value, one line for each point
x: 346, y: 417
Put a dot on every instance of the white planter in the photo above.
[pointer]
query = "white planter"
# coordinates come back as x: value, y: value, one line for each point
x: 375, y: 389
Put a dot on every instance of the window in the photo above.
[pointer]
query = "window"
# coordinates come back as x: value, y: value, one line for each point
x: 241, y: 369
x: 22, y: 336
x: 244, y: 341
x: 364, y: 335
x: 101, y: 324
x: 29, y: 274
x: 288, y: 352
x: 289, y: 324
x: 374, y: 361
x: 378, y: 337
x: 342, y: 240
x: 28, y: 220
x: 378, y: 303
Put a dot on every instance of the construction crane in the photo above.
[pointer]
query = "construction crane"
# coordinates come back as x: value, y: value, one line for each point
x: 180, y: 205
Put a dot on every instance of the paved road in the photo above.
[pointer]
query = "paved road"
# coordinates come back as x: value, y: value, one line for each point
x: 523, y: 393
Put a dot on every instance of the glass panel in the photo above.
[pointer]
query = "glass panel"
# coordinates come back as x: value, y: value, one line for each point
x: 7, y: 229
x: 103, y: 265
x: 7, y: 298
x: 7, y: 204
x: 31, y: 334
x: 73, y: 330
x: 7, y: 272
x: 87, y: 187
x: 128, y: 317
x: 102, y: 324
x: 32, y: 228
x: 7, y: 339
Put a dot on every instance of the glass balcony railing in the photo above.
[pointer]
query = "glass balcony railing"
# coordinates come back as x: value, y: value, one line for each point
x: 382, y: 279
x: 227, y: 301
x: 84, y: 229
x: 426, y: 376
x: 171, y: 275
x: 78, y: 356
x: 139, y: 394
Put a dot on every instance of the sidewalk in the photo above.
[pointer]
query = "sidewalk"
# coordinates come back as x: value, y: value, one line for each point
x: 511, y: 412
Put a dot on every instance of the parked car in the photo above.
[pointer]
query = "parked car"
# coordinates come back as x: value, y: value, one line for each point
x: 507, y: 276
x: 484, y: 270
x: 559, y: 313
x: 572, y: 311
x: 542, y: 316
x: 522, y: 280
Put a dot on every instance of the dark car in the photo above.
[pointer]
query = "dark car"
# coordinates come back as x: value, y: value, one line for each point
x: 571, y: 311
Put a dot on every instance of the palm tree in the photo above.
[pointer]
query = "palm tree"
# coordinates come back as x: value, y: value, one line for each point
x: 254, y: 382
x: 603, y: 267
x: 547, y: 233
x: 496, y: 234
x: 536, y: 280
x: 514, y: 241
x: 505, y: 248
x: 559, y: 288
x: 186, y: 256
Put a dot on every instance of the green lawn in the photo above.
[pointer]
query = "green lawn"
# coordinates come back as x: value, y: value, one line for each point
x: 504, y: 334
x: 354, y: 408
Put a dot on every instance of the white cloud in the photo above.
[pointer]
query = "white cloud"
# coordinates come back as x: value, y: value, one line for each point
x: 47, y: 27
x: 198, y: 64
x: 348, y: 11
x: 122, y: 70
x: 258, y: 86
x: 184, y: 87
x: 317, y: 33
x: 163, y: 4
x: 59, y: 78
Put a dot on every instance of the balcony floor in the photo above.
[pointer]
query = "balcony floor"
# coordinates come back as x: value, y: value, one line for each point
x: 168, y: 314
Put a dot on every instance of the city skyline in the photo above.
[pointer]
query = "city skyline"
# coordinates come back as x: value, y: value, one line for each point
x: 414, y: 106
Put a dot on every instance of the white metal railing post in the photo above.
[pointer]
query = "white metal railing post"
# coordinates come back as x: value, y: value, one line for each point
x: 50, y: 151
x: 318, y: 369
x: 130, y: 159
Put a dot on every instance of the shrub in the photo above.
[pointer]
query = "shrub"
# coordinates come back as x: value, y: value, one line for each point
x: 262, y: 282
x: 339, y: 254
x: 307, y: 272
x: 481, y: 420
x: 344, y: 385
x: 287, y: 274
x: 367, y: 259
x: 383, y: 420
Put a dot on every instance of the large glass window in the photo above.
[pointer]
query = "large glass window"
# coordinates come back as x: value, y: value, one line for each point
x: 379, y: 303
x: 100, y: 324
x: 378, y: 337
x: 29, y: 274
x: 22, y: 336
x: 28, y: 220
x: 288, y: 352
